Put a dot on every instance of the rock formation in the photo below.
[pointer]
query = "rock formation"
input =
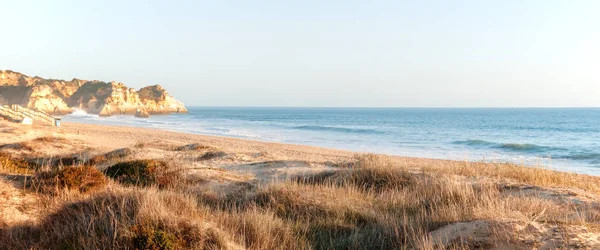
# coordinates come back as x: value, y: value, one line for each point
x: 95, y: 97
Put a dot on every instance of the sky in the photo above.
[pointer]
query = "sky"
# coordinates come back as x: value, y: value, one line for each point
x: 314, y: 53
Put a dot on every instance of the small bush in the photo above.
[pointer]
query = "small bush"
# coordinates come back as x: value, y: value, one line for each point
x: 82, y: 179
x: 212, y: 155
x: 11, y: 165
x: 147, y: 237
x: 142, y: 173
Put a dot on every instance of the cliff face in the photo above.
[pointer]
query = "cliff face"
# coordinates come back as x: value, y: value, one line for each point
x: 158, y: 101
x: 95, y: 97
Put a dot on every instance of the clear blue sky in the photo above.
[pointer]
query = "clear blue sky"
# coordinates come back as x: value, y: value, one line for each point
x: 318, y: 53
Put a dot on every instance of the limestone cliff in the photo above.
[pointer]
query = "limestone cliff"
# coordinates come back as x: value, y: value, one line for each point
x: 95, y: 97
x: 158, y: 101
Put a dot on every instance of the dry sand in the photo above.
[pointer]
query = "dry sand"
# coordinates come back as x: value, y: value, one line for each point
x: 107, y: 138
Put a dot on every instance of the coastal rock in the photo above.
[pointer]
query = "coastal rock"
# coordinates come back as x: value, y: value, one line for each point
x: 119, y: 100
x: 44, y: 98
x: 94, y: 97
x: 156, y: 99
x: 142, y: 113
x: 11, y: 78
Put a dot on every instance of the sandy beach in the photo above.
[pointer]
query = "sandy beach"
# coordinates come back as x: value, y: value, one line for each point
x: 549, y: 209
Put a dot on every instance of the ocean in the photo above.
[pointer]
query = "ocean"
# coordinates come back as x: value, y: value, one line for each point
x: 562, y: 139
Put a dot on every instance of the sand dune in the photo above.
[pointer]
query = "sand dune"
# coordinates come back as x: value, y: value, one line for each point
x: 458, y: 204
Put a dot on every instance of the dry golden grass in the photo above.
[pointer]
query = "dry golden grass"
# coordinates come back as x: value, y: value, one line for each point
x: 378, y: 204
x: 257, y: 228
x: 120, y: 218
x: 530, y: 175
x: 373, y: 202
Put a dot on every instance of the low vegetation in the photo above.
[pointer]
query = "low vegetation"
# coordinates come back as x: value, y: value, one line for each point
x: 212, y: 155
x: 112, y: 156
x: 18, y: 146
x: 502, y: 171
x: 143, y: 173
x: 371, y: 202
x: 81, y: 179
x: 193, y: 147
x: 50, y: 139
x: 9, y: 164
x: 121, y: 218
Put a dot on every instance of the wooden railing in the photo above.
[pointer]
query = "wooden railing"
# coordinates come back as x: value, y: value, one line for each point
x: 17, y: 113
x: 35, y: 115
x: 11, y: 114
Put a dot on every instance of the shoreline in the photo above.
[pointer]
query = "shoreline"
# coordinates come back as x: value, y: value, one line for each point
x: 102, y: 137
x: 491, y: 136
x: 540, y: 162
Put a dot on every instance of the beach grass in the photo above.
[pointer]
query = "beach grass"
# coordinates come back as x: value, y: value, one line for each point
x: 373, y: 202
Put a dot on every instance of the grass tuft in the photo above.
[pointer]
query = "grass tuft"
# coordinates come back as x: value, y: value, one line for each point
x: 82, y: 179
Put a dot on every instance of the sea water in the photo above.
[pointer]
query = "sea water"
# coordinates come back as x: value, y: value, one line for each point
x: 561, y: 139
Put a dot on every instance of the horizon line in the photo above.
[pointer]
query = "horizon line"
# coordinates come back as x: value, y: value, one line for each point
x: 406, y: 107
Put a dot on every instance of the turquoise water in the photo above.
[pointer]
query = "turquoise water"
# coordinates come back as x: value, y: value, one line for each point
x: 562, y: 139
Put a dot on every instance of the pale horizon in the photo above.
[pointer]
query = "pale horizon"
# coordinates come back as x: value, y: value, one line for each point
x: 433, y: 54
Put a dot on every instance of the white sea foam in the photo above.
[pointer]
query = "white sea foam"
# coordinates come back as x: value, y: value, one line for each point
x: 78, y: 113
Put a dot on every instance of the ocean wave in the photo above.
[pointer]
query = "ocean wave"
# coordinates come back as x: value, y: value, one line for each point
x: 523, y: 147
x: 338, y: 129
x: 592, y: 156
x: 516, y: 147
x: 475, y: 143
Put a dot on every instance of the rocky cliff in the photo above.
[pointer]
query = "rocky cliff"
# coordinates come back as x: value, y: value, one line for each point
x: 95, y: 97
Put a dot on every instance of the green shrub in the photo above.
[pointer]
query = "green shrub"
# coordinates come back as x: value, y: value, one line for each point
x: 147, y: 237
x: 142, y: 173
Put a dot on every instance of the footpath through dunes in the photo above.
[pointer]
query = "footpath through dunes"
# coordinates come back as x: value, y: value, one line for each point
x: 153, y: 189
